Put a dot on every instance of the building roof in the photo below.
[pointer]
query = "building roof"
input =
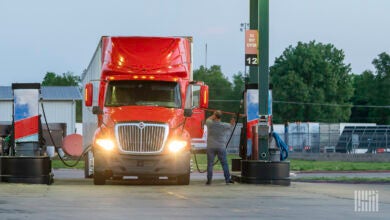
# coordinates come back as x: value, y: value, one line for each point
x: 54, y: 93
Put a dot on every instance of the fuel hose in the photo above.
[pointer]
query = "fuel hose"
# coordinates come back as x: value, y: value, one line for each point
x: 56, y: 147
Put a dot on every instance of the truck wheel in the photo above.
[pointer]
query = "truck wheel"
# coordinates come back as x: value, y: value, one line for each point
x: 183, y: 179
x: 99, y: 178
x: 87, y: 165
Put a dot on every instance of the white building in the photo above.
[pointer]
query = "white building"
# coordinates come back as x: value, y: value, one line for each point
x: 59, y: 103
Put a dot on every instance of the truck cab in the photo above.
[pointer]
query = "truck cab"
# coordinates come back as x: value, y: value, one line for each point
x: 143, y: 120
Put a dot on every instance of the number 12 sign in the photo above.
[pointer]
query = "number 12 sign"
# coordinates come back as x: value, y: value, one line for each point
x: 251, y: 48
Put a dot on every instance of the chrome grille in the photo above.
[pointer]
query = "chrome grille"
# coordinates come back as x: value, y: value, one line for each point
x: 141, y: 137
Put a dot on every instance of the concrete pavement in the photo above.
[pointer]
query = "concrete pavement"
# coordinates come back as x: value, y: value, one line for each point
x: 72, y: 197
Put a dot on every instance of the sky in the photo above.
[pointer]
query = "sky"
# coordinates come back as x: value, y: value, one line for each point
x: 59, y: 36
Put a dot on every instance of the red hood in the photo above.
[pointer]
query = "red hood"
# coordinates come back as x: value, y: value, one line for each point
x: 172, y: 116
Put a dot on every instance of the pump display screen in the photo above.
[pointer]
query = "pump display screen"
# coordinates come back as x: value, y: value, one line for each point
x: 143, y: 93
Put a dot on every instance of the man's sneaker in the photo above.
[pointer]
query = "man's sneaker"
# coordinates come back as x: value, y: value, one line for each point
x: 208, y: 182
x: 229, y: 182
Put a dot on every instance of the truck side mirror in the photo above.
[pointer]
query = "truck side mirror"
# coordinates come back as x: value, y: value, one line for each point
x: 187, y: 112
x: 188, y: 102
x: 96, y: 110
x: 204, y: 96
x: 88, y: 94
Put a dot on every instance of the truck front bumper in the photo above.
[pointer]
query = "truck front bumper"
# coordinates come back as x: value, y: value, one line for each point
x: 116, y: 164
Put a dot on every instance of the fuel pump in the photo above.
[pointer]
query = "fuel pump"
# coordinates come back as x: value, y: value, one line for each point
x: 25, y: 161
x: 262, y: 162
x: 263, y: 152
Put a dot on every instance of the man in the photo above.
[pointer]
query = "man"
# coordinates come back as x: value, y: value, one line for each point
x: 216, y: 144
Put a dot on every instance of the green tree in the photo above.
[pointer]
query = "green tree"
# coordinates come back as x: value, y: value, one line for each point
x: 238, y: 86
x: 364, y: 85
x: 372, y: 91
x: 382, y: 92
x: 311, y: 83
x: 66, y: 79
x: 221, y: 89
x: 237, y: 94
x: 219, y: 86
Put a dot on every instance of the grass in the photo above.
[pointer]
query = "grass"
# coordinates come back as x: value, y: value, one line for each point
x: 344, y: 179
x: 295, y: 165
x: 57, y: 164
x: 202, y: 162
x: 305, y: 165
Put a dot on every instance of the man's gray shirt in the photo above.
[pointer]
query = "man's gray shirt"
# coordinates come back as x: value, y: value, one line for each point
x: 216, y: 133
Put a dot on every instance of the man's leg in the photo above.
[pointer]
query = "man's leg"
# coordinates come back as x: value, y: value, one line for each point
x: 224, y: 163
x: 210, y: 161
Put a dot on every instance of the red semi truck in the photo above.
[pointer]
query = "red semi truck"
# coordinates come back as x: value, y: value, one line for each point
x: 141, y: 109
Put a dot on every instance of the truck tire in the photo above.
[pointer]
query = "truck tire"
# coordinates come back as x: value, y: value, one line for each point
x: 183, y: 179
x: 99, y: 178
x: 88, y: 173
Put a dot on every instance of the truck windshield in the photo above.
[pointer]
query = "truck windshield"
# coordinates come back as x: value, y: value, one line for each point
x: 143, y: 93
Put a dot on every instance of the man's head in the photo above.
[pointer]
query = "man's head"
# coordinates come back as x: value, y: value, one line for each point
x: 218, y: 114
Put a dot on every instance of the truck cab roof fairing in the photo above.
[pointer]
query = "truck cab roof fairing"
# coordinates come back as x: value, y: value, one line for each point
x: 147, y: 55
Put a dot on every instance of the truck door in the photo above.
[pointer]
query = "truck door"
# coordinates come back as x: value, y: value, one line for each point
x: 195, y: 123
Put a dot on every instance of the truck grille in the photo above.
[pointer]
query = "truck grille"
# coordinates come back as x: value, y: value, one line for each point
x: 141, y: 137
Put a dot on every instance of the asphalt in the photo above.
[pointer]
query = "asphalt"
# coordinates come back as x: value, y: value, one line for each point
x: 73, y: 197
x: 74, y: 173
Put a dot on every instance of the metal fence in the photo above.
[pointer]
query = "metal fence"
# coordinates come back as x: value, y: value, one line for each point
x: 321, y: 138
x: 300, y: 140
x: 311, y: 142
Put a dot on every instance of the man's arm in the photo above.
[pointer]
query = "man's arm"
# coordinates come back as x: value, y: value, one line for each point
x: 210, y: 120
x: 230, y: 126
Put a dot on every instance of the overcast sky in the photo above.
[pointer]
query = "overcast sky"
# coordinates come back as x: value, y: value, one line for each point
x: 59, y: 36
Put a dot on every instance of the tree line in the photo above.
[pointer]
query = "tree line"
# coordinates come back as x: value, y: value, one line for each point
x: 311, y: 82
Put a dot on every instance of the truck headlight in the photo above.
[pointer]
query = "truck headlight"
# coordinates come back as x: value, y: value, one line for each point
x: 106, y: 144
x: 176, y: 146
